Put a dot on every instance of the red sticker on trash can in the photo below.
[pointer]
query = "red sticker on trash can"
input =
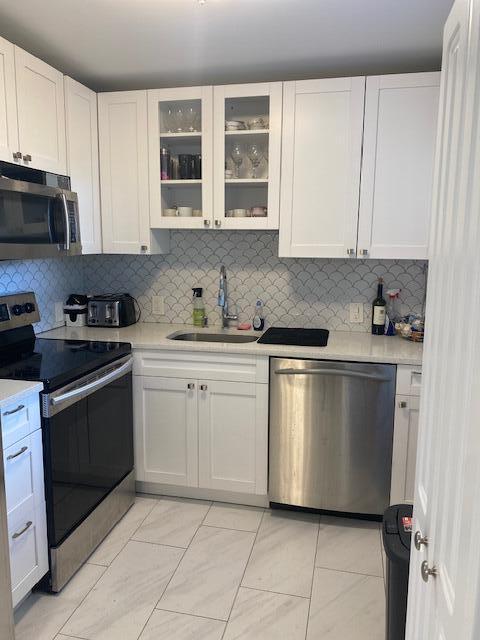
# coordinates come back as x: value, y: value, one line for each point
x: 407, y: 523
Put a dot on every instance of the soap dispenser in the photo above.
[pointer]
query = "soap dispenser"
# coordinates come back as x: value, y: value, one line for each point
x: 198, y: 307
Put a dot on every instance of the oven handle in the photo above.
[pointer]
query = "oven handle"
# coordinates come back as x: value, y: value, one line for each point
x: 93, y: 386
x: 333, y: 372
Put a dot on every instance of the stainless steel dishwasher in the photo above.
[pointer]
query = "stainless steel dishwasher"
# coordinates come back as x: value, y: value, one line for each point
x: 331, y: 434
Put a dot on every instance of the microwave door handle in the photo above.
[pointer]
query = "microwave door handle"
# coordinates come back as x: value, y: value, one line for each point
x: 63, y: 200
x: 50, y: 223
x: 333, y: 372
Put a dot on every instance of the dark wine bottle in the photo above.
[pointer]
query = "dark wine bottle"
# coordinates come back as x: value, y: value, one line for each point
x: 379, y: 308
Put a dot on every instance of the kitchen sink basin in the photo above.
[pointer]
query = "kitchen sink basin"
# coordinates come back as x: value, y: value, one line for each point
x: 213, y: 337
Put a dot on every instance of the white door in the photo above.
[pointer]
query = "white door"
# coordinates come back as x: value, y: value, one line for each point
x: 232, y: 439
x: 166, y: 446
x: 190, y: 110
x: 82, y: 160
x: 41, y: 113
x: 321, y: 156
x: 397, y: 165
x: 447, y: 493
x: 123, y: 143
x: 247, y: 197
x: 8, y: 104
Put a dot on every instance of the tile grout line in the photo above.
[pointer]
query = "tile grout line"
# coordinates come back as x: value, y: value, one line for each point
x: 277, y: 593
x: 243, y: 574
x: 313, y: 577
x: 190, y: 615
x: 353, y: 573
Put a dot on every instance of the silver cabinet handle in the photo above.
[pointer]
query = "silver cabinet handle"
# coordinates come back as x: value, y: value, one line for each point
x: 17, y: 155
x: 203, y: 387
x: 420, y: 540
x: 19, y: 453
x: 144, y: 248
x: 331, y: 372
x: 27, y: 157
x: 66, y: 217
x: 17, y: 534
x: 402, y: 404
x: 190, y: 386
x: 206, y: 223
x: 218, y: 223
x: 427, y: 571
x: 16, y: 410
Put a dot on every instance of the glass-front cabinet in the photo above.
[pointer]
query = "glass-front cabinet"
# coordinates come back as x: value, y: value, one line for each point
x: 247, y: 145
x: 180, y: 157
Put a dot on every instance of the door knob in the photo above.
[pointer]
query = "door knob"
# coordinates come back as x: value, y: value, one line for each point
x: 427, y: 571
x: 27, y: 157
x: 420, y: 540
x: 190, y: 386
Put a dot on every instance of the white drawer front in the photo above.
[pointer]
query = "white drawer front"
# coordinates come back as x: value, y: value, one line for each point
x: 27, y: 534
x: 19, y: 418
x: 409, y: 380
x: 201, y: 365
x: 23, y: 464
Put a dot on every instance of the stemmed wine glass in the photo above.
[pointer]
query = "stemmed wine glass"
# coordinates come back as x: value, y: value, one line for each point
x: 178, y: 119
x: 236, y: 154
x: 190, y: 119
x: 255, y: 155
x: 168, y: 119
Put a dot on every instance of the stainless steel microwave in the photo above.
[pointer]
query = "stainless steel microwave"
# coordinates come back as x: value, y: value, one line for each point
x: 38, y: 214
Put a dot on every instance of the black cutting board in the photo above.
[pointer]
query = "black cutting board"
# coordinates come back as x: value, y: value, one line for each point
x: 299, y: 337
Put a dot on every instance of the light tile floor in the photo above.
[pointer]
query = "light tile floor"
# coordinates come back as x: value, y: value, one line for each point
x: 176, y: 569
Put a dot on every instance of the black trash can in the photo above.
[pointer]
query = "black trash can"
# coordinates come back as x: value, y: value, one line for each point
x: 397, y: 535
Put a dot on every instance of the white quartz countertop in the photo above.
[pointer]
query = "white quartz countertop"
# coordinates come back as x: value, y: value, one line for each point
x: 342, y: 345
x: 10, y: 389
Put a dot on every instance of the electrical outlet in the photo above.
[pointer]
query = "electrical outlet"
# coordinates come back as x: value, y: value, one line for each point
x: 356, y: 312
x: 158, y: 306
x: 59, y: 315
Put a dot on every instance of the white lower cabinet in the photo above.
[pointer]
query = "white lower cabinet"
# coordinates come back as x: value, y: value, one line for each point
x: 405, y: 439
x: 199, y: 432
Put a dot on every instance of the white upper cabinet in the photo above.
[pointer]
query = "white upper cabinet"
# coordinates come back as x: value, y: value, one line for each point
x: 41, y: 113
x: 321, y: 158
x: 82, y: 160
x: 180, y: 131
x: 123, y: 144
x: 397, y: 168
x: 8, y: 103
x: 247, y: 144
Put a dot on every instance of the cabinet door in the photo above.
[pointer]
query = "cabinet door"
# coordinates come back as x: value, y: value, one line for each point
x: 41, y: 113
x: 8, y: 103
x: 166, y: 447
x: 397, y: 169
x: 233, y: 436
x: 248, y: 196
x: 82, y: 160
x: 404, y: 449
x: 321, y: 156
x: 180, y: 120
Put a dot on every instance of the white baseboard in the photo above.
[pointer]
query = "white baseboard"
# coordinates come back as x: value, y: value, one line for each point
x: 201, y: 494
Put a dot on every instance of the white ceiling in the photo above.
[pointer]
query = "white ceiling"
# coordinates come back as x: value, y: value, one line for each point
x: 122, y: 44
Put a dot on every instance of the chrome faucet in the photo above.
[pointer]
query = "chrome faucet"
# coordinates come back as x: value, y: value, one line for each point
x: 223, y: 298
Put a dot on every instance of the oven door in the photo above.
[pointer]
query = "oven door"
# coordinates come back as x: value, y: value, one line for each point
x: 37, y: 221
x: 88, y: 445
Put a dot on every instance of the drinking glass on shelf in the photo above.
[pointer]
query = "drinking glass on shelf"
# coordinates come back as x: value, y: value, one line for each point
x: 168, y: 120
x: 236, y: 154
x: 255, y: 155
x: 179, y: 120
x: 190, y: 119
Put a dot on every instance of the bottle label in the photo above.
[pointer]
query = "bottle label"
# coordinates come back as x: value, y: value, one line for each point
x: 379, y: 316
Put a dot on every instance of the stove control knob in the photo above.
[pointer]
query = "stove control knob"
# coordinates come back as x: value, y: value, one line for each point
x: 29, y: 307
x: 17, y: 310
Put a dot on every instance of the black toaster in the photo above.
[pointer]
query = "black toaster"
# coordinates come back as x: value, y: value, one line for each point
x: 111, y: 310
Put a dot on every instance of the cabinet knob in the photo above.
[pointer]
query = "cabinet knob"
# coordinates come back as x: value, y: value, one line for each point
x: 218, y: 223
x: 190, y: 386
x: 402, y: 404
x: 144, y: 248
x: 206, y: 223
x: 350, y: 252
x: 203, y: 387
x: 364, y: 252
x: 17, y: 155
x: 27, y: 157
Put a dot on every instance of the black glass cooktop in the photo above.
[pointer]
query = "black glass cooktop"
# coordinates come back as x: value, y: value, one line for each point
x: 57, y: 362
x: 297, y: 337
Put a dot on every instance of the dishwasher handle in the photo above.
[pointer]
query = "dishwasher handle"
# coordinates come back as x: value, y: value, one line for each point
x: 333, y: 372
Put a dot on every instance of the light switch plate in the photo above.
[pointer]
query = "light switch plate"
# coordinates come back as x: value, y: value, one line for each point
x: 158, y: 306
x: 59, y: 315
x: 356, y: 312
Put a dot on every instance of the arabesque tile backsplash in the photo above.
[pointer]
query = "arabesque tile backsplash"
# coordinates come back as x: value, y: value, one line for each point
x: 296, y: 292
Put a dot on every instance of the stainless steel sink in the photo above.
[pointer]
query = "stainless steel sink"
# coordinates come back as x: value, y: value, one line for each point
x: 213, y: 337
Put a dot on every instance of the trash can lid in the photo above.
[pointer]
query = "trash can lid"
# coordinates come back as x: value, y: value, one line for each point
x: 397, y: 532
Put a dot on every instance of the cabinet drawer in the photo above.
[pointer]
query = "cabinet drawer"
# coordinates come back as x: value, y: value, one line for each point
x: 205, y: 366
x: 23, y: 464
x: 19, y: 418
x: 409, y: 380
x: 27, y: 536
